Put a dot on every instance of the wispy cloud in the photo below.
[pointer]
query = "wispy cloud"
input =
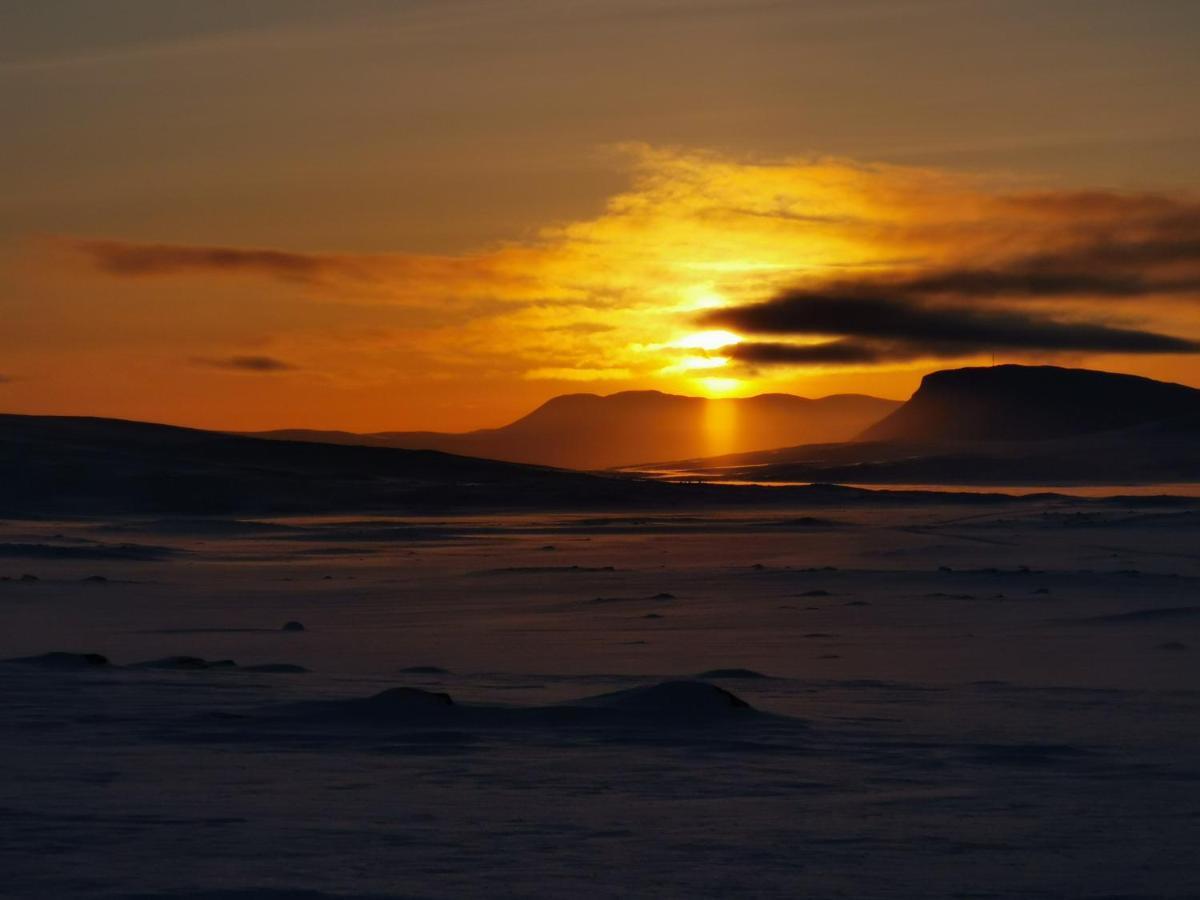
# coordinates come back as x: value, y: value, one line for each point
x: 253, y: 364
x: 388, y: 277
x: 574, y: 373
x: 131, y: 260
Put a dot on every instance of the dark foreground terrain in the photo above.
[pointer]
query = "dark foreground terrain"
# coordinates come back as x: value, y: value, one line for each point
x: 893, y: 699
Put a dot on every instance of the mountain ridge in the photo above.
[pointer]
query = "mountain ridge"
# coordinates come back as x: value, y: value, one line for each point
x: 593, y: 431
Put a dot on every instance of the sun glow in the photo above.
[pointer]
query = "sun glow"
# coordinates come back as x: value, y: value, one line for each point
x: 702, y: 297
x: 701, y: 362
x: 719, y: 387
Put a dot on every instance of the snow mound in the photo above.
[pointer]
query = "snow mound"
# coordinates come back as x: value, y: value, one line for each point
x: 673, y: 699
x: 405, y: 698
x: 399, y: 706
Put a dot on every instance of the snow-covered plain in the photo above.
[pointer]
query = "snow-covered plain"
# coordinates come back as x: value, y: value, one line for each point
x: 989, y: 700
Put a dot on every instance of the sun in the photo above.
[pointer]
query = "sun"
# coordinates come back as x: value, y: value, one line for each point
x: 708, y: 340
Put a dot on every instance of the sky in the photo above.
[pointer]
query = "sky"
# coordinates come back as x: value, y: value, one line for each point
x: 437, y: 215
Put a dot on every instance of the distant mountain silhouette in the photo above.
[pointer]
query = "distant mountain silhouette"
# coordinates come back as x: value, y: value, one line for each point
x: 587, y: 431
x: 1014, y: 425
x: 1021, y: 403
x: 1081, y: 428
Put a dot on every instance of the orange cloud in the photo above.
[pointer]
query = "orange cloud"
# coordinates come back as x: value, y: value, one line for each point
x: 621, y: 297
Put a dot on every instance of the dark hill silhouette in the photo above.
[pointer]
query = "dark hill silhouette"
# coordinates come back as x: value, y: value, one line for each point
x: 64, y: 465
x: 587, y: 431
x: 79, y: 465
x: 1022, y: 403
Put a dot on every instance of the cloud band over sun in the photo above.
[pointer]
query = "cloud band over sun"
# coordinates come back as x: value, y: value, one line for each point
x: 803, y: 266
x: 1123, y: 249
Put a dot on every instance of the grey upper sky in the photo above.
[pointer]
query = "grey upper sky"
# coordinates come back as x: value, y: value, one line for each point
x: 436, y: 125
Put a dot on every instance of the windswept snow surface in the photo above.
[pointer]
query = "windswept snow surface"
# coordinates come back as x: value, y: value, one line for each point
x: 1000, y: 700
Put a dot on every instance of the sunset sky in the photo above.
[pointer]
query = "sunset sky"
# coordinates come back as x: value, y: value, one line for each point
x: 437, y: 215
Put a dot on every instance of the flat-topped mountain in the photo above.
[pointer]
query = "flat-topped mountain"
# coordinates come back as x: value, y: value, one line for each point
x: 1014, y: 425
x: 1022, y: 403
x: 588, y: 431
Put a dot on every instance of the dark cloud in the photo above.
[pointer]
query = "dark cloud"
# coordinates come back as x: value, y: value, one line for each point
x: 265, y: 364
x: 130, y: 260
x: 843, y: 350
x: 1100, y: 206
x: 952, y: 326
x: 1104, y: 267
x: 872, y: 329
x: 1101, y: 268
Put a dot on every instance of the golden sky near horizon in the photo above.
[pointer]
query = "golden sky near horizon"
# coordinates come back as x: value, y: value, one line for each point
x: 410, y: 215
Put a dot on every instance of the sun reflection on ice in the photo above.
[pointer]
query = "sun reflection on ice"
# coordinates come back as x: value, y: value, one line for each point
x: 720, y: 423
